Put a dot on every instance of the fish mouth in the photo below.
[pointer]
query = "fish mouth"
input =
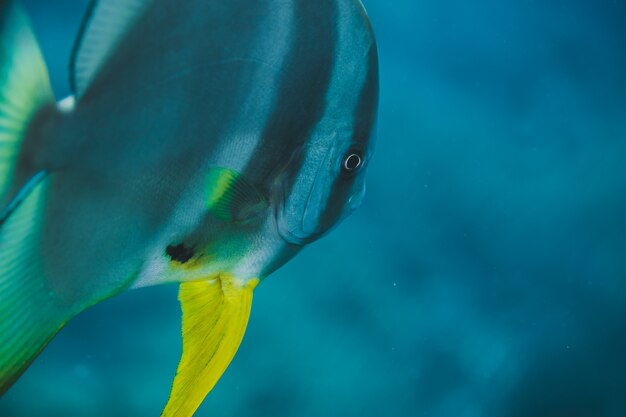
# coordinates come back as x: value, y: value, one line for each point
x: 296, y: 239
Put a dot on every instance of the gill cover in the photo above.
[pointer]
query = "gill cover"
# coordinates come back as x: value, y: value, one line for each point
x: 215, y: 316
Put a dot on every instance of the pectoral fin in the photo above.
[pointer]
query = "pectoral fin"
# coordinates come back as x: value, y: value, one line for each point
x: 230, y: 197
x: 215, y: 316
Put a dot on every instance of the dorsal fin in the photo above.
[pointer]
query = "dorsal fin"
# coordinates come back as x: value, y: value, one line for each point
x: 24, y: 89
x: 103, y: 28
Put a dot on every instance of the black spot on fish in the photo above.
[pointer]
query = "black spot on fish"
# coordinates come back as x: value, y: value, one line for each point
x: 179, y: 253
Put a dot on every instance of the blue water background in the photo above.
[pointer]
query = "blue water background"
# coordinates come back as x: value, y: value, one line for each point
x: 485, y: 274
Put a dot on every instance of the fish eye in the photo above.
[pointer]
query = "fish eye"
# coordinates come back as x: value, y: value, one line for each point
x: 351, y: 162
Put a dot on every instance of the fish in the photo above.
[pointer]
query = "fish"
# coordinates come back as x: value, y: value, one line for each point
x: 205, y: 143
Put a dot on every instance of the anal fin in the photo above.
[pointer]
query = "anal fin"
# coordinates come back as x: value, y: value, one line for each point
x: 29, y: 313
x: 215, y: 316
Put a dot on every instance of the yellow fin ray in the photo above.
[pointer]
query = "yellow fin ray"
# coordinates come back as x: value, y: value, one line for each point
x: 215, y: 316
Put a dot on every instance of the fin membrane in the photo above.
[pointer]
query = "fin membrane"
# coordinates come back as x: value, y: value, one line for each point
x: 215, y: 316
x: 24, y: 86
x: 231, y: 197
x: 105, y: 25
x: 29, y: 314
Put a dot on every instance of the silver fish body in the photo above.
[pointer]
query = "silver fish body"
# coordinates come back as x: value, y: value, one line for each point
x: 277, y: 90
x: 204, y: 139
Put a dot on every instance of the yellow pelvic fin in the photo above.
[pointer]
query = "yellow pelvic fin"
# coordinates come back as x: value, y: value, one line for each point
x: 215, y: 316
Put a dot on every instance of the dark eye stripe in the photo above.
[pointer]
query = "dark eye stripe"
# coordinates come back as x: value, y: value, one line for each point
x: 306, y: 46
x: 365, y: 112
